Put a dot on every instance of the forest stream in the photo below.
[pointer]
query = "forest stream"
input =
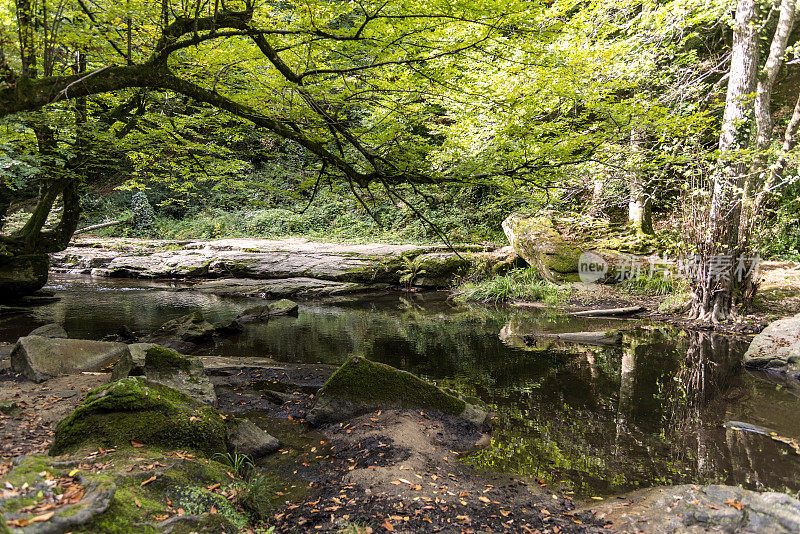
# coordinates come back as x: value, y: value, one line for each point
x: 593, y: 420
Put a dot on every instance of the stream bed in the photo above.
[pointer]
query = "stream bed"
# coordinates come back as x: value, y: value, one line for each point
x: 595, y: 420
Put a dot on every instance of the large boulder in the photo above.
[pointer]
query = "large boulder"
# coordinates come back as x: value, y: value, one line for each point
x: 135, y: 409
x: 39, y: 358
x: 553, y: 245
x: 360, y: 386
x: 169, y: 368
x: 777, y: 348
x: 52, y: 330
x: 541, y: 244
x: 22, y: 275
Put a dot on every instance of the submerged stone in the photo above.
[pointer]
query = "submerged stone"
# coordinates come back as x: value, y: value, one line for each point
x: 192, y: 328
x: 264, y: 312
x: 360, y: 385
x: 40, y: 358
x: 52, y: 330
x: 136, y: 409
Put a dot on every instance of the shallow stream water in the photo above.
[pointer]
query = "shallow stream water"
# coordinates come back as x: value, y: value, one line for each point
x: 594, y: 420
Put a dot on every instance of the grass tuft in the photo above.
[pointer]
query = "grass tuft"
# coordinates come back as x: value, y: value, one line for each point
x: 518, y: 284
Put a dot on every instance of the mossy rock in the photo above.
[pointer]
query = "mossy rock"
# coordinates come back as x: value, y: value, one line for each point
x: 136, y: 409
x: 169, y: 368
x: 539, y: 242
x: 35, y: 482
x: 132, y: 364
x: 22, y: 275
x: 115, y: 501
x: 192, y: 328
x: 440, y: 269
x: 360, y: 385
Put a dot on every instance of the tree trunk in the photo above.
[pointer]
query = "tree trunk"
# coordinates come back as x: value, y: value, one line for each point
x: 714, y: 285
x: 639, y: 208
x: 760, y: 176
x: 27, y: 47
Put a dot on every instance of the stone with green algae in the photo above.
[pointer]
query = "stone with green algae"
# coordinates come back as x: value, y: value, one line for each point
x: 361, y: 385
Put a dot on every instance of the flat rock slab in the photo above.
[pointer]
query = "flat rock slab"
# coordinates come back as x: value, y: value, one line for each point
x: 696, y: 509
x: 255, y: 259
x: 777, y: 348
x: 39, y: 358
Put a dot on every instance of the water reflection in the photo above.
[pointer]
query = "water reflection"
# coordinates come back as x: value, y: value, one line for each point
x: 594, y: 419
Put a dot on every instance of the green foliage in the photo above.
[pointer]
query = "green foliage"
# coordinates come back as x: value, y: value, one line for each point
x: 412, y: 268
x: 780, y: 237
x: 257, y: 495
x: 656, y: 285
x: 239, y: 463
x: 518, y: 284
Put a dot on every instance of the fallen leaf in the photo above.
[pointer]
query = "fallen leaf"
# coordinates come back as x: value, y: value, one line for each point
x: 137, y: 444
x: 735, y: 504
x: 148, y: 481
x: 43, y: 517
x: 388, y: 526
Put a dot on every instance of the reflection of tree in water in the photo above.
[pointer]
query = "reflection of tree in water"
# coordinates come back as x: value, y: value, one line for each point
x: 706, y: 372
x: 703, y: 397
x: 704, y: 376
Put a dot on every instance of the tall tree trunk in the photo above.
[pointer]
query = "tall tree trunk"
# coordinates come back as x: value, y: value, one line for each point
x: 27, y: 45
x: 713, y: 288
x: 760, y: 176
x: 639, y: 206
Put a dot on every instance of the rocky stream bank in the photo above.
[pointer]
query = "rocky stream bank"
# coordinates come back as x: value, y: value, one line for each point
x: 128, y: 434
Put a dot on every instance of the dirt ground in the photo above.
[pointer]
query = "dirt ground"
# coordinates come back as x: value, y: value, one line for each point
x: 398, y: 471
x: 41, y: 407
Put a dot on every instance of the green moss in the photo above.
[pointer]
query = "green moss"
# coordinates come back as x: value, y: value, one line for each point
x: 161, y: 359
x: 364, y: 381
x: 443, y: 267
x: 197, y: 500
x: 133, y: 408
